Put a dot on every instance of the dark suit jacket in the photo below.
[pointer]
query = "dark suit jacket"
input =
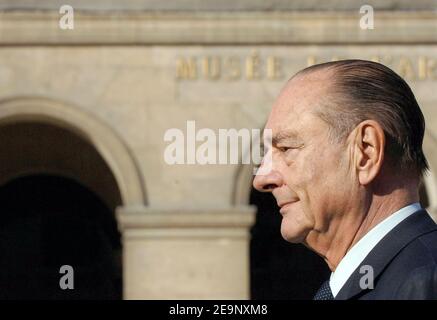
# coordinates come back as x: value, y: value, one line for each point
x: 404, y: 263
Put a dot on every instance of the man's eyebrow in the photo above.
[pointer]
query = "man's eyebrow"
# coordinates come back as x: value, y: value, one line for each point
x: 284, y: 135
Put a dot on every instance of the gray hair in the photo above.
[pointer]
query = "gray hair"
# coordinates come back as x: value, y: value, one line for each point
x: 363, y: 90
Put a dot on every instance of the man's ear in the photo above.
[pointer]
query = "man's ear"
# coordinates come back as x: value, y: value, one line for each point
x: 369, y: 150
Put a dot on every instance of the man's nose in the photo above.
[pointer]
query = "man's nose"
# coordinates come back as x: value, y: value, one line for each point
x: 268, y: 182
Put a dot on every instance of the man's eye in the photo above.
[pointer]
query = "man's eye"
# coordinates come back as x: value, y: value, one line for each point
x: 287, y: 150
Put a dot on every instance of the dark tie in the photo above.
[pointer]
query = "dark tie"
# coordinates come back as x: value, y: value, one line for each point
x: 324, y: 293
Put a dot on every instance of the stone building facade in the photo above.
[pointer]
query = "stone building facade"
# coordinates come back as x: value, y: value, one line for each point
x: 93, y: 104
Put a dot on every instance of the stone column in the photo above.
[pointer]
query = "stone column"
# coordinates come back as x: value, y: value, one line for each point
x: 186, y: 254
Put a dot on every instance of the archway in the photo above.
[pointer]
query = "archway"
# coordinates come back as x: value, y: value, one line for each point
x: 48, y: 222
x: 101, y: 137
x: 47, y: 143
x: 57, y: 199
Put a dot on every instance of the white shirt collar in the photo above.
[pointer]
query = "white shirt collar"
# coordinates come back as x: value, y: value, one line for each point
x: 362, y: 248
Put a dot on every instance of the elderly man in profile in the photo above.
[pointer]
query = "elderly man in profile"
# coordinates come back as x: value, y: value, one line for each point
x: 347, y: 161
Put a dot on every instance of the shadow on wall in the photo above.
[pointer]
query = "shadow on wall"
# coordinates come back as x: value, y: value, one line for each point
x: 50, y: 221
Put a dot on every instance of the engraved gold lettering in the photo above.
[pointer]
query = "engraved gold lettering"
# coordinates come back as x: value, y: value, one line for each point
x: 253, y: 67
x: 186, y: 68
x: 233, y: 67
x: 211, y: 67
x: 274, y: 71
x: 427, y: 68
x: 405, y: 68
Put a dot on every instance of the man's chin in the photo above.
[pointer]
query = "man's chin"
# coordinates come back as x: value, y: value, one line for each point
x: 292, y: 236
x: 293, y: 228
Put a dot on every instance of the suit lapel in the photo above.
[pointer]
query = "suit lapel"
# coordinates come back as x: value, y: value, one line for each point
x: 412, y: 227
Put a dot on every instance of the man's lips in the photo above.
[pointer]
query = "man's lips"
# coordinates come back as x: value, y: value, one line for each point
x: 285, y: 205
x: 287, y: 202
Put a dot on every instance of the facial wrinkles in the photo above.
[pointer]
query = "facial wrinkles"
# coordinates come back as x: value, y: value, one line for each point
x: 325, y: 227
x: 295, y: 186
x: 308, y: 175
x: 322, y: 215
x: 306, y: 162
x: 347, y: 222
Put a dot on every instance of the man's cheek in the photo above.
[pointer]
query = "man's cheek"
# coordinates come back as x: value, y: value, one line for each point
x: 305, y: 213
x: 297, y: 182
x: 306, y: 168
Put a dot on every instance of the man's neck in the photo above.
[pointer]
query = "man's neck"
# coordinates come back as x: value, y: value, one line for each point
x: 355, y: 226
x: 376, y: 215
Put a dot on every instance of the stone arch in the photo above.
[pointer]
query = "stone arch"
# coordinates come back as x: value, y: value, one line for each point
x: 243, y: 176
x: 242, y: 185
x: 107, y: 143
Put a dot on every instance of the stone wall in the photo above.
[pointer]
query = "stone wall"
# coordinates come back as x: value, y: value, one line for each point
x: 127, y: 73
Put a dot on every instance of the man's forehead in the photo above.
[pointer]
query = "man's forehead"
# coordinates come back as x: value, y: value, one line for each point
x: 298, y: 100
